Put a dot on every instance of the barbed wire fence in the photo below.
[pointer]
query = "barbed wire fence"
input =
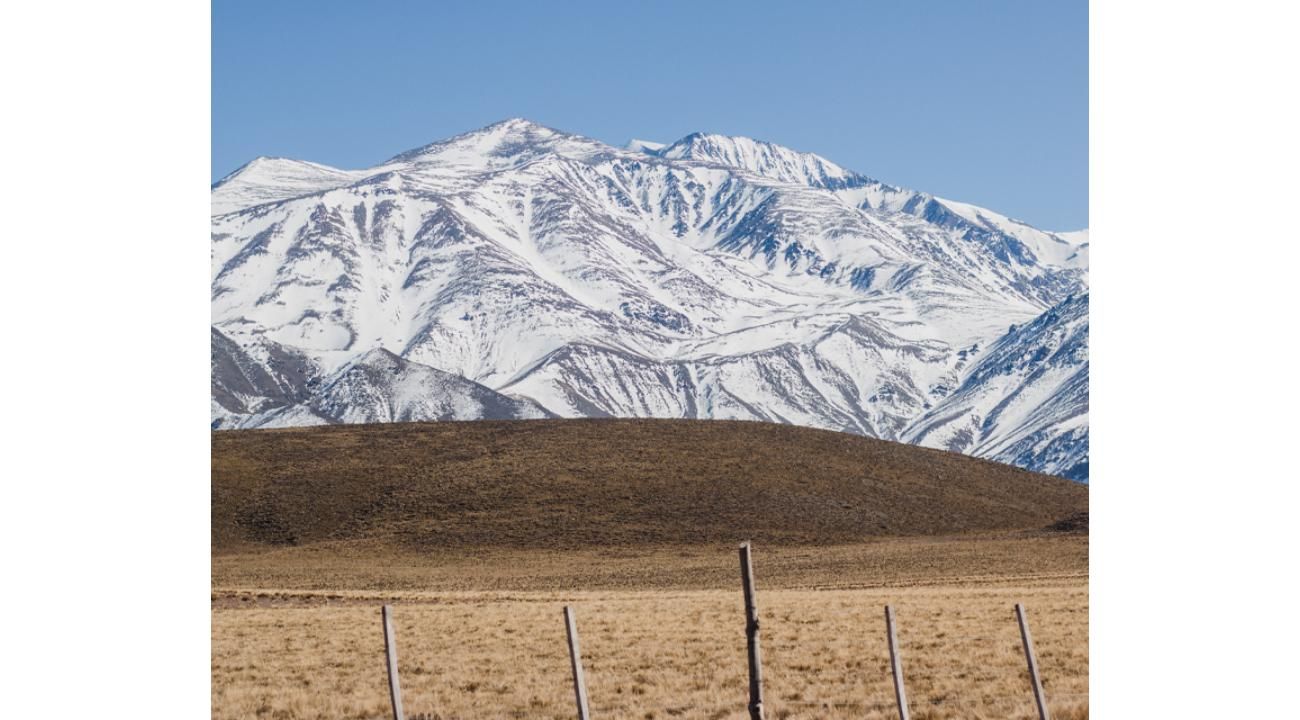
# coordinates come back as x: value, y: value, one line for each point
x: 1035, y: 702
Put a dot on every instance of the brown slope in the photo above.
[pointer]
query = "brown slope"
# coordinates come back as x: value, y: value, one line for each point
x: 575, y: 483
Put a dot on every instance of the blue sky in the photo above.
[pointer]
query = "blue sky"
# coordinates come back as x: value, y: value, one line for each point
x: 984, y: 102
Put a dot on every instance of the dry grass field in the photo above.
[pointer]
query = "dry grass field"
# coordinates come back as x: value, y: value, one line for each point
x: 473, y: 542
x: 656, y: 654
x: 894, y: 562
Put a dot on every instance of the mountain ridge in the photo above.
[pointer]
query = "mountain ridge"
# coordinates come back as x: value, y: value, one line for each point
x: 737, y: 279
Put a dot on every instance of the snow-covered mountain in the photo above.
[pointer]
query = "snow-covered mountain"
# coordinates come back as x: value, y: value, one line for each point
x: 377, y: 386
x: 254, y: 379
x: 1025, y: 402
x: 712, y: 277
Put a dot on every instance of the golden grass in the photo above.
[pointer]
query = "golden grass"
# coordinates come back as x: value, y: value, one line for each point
x: 657, y: 654
x: 296, y: 632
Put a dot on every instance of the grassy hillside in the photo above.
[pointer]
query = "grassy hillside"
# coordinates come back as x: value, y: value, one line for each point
x: 582, y: 483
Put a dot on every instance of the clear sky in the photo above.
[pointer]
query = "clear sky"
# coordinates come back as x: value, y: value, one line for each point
x: 984, y: 102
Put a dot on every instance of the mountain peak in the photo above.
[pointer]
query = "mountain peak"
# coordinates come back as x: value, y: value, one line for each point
x: 517, y: 124
x: 378, y: 354
x: 264, y: 165
x: 763, y: 158
x: 266, y: 179
x: 517, y: 138
x: 644, y: 146
x: 703, y: 143
x: 512, y: 127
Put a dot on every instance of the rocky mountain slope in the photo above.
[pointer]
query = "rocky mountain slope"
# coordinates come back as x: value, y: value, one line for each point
x: 1026, y: 401
x: 713, y: 277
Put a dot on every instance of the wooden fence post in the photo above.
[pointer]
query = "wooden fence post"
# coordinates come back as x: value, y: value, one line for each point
x: 575, y: 660
x: 1028, y: 642
x: 751, y: 635
x: 390, y: 650
x: 896, y: 662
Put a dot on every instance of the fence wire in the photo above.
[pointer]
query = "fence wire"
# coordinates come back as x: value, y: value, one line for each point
x: 929, y: 684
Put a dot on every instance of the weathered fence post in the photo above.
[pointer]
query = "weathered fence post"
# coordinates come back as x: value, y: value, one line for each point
x: 390, y: 650
x: 896, y: 662
x: 575, y: 660
x: 751, y: 635
x: 1028, y: 642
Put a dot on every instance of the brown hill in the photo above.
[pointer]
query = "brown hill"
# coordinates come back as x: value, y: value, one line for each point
x: 577, y: 483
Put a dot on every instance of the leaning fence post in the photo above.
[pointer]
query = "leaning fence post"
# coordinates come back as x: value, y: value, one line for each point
x: 751, y: 635
x: 896, y: 663
x: 575, y: 660
x: 1033, y: 663
x: 390, y: 650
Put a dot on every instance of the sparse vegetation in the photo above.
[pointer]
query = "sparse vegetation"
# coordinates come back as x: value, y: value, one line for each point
x: 592, y: 483
x: 471, y: 531
x: 656, y: 654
